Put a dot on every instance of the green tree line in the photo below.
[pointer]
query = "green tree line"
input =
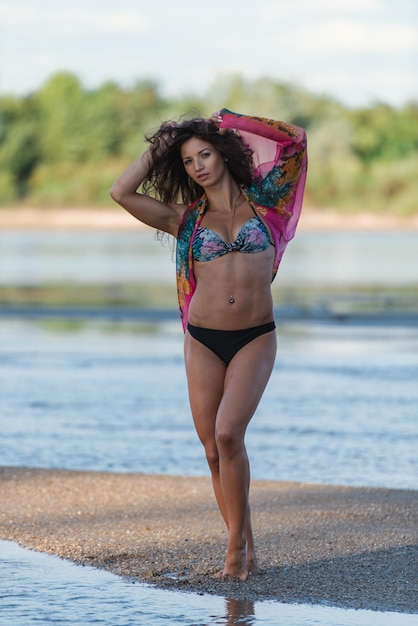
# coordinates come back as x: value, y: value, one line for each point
x: 64, y: 145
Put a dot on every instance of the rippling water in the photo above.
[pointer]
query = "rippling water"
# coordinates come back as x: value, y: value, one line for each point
x: 41, y: 589
x: 341, y: 405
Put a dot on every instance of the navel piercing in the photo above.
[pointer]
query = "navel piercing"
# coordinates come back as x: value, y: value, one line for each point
x: 231, y: 299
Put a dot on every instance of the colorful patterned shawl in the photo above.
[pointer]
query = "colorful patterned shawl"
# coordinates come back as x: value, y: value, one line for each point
x: 276, y: 192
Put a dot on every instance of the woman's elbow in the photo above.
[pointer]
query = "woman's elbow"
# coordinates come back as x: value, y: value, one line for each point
x: 116, y: 193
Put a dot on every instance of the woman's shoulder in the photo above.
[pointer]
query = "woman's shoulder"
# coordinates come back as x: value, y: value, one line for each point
x: 190, y: 215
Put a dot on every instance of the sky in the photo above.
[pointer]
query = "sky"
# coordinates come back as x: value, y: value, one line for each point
x: 357, y: 51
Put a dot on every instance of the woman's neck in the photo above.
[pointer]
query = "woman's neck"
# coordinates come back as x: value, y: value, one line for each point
x: 224, y: 198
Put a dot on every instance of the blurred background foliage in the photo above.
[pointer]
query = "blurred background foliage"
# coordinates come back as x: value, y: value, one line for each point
x: 64, y: 145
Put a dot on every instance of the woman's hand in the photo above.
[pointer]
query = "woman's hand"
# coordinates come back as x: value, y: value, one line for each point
x: 216, y: 119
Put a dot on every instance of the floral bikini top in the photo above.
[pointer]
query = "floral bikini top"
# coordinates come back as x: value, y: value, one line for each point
x: 252, y: 237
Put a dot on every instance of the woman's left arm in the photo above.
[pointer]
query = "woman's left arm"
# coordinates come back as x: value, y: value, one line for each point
x: 280, y: 132
x: 280, y: 161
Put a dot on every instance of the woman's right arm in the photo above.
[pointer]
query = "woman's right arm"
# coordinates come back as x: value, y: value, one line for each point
x: 159, y: 215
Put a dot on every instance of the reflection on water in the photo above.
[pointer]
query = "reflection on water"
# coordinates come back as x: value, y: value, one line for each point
x: 240, y: 612
x: 40, y: 589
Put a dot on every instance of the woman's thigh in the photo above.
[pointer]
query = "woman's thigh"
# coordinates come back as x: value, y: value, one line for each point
x: 205, y: 378
x: 225, y: 398
x: 245, y: 381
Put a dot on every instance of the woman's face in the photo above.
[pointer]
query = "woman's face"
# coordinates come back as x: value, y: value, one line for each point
x: 203, y: 162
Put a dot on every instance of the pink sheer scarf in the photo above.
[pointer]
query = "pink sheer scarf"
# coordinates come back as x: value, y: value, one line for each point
x: 276, y: 193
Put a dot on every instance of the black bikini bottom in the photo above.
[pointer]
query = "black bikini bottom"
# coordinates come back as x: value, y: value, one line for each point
x: 226, y: 343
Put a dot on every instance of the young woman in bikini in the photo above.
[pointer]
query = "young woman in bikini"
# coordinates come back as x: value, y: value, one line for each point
x: 229, y: 189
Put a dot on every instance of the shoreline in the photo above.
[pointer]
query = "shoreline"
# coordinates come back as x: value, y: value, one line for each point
x: 349, y: 547
x: 79, y: 218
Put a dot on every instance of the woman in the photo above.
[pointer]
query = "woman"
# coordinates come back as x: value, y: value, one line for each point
x: 240, y: 182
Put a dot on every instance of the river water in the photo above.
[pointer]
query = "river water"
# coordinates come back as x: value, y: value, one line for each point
x: 329, y: 258
x: 341, y: 408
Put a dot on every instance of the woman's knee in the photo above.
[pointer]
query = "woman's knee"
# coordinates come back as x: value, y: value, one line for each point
x: 212, y: 457
x: 228, y: 440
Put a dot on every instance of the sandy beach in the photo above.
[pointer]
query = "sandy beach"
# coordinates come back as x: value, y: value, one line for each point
x: 80, y: 218
x: 343, y: 546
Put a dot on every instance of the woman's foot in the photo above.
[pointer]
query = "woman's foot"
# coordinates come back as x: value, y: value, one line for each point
x: 252, y: 565
x: 235, y: 565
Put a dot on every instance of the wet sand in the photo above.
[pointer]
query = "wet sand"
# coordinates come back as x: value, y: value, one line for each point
x: 342, y: 546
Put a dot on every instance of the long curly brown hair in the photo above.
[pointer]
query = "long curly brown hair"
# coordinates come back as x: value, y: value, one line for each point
x: 167, y: 178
